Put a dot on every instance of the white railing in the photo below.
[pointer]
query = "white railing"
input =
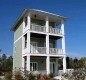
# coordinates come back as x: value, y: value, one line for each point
x: 38, y: 28
x: 55, y: 51
x: 38, y: 50
x: 55, y: 31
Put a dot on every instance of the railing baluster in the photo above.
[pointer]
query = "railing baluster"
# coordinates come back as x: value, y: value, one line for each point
x: 38, y: 50
x: 55, y: 51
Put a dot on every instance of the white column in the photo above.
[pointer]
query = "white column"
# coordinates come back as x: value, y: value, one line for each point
x: 62, y: 26
x: 48, y: 64
x: 47, y: 44
x: 56, y: 67
x: 28, y: 42
x: 64, y: 64
x: 63, y: 46
x: 28, y: 63
x: 47, y: 24
x: 63, y: 38
x: 29, y: 20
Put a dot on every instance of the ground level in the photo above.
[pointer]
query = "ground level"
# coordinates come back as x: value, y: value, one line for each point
x: 40, y: 64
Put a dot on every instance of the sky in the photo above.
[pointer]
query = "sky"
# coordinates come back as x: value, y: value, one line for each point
x: 75, y: 26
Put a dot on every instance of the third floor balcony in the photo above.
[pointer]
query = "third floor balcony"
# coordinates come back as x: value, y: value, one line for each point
x: 39, y: 28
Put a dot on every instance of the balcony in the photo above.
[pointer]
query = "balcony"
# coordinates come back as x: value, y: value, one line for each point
x: 55, y: 51
x: 38, y: 50
x: 55, y: 31
x: 40, y: 28
x: 42, y: 50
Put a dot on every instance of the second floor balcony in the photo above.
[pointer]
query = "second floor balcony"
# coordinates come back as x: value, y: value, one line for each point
x: 42, y: 50
x: 40, y: 28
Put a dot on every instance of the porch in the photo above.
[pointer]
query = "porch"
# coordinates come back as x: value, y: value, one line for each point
x: 40, y: 64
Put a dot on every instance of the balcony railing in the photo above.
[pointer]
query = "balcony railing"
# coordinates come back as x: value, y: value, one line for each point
x: 55, y: 31
x: 38, y: 50
x: 38, y: 28
x: 55, y: 51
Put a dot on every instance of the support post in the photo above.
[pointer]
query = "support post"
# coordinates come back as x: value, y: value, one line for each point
x: 29, y: 20
x: 28, y: 42
x: 28, y: 63
x: 47, y: 24
x: 64, y: 64
x: 63, y: 46
x: 47, y: 44
x: 48, y: 64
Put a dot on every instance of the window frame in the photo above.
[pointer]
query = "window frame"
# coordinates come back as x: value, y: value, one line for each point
x: 34, y: 69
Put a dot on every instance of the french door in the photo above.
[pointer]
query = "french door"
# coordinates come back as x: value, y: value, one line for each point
x: 33, y: 66
x: 52, y: 67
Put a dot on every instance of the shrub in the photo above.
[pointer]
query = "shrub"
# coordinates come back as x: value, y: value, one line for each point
x: 77, y: 74
x: 18, y: 76
x: 8, y: 76
x: 51, y: 75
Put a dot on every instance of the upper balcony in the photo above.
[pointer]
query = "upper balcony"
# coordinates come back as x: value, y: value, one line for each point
x: 39, y: 28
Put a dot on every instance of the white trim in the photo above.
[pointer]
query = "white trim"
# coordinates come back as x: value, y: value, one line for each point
x: 18, y: 39
x: 47, y: 13
x: 37, y: 33
x: 62, y: 55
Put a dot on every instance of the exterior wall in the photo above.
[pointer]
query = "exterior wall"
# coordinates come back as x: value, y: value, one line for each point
x: 18, y: 32
x: 53, y: 60
x: 38, y: 22
x: 52, y: 24
x: 42, y: 22
x: 42, y: 41
x: 17, y: 56
x: 41, y: 62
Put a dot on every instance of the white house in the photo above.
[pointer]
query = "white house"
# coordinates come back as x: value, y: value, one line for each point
x: 36, y: 35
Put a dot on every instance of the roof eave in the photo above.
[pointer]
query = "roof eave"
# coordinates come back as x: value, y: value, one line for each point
x: 19, y: 18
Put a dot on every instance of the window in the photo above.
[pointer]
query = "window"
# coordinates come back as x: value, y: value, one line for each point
x: 25, y: 63
x: 25, y: 41
x: 25, y: 21
x: 33, y: 66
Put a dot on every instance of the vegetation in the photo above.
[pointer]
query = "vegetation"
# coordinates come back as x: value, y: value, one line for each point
x: 75, y: 63
x: 8, y: 76
x: 79, y: 72
x: 5, y: 64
